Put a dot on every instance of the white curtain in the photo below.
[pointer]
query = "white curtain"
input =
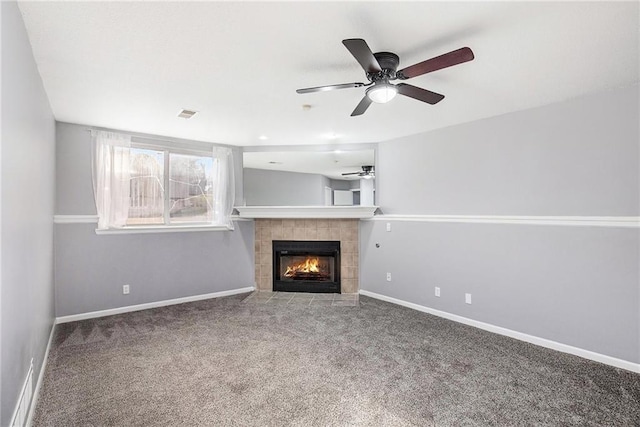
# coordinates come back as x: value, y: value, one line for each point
x: 111, y: 177
x: 225, y: 188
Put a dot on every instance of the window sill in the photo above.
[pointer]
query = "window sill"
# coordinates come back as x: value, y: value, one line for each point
x: 163, y: 229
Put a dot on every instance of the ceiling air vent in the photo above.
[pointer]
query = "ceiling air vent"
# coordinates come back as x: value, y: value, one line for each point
x: 186, y: 114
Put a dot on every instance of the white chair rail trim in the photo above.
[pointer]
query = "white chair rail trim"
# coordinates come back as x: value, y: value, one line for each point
x: 75, y: 219
x: 581, y: 221
x: 93, y: 219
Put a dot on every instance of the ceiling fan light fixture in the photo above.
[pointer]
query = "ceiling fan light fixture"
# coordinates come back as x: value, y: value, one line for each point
x: 382, y: 93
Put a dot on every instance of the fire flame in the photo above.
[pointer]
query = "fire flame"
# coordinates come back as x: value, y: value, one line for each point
x: 310, y: 265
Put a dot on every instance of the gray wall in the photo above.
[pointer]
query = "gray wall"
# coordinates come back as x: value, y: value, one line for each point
x: 27, y: 185
x: 90, y: 269
x: 279, y: 188
x: 343, y: 184
x: 578, y: 157
x: 571, y: 284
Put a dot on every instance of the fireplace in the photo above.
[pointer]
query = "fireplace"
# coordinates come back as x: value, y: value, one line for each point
x: 306, y: 266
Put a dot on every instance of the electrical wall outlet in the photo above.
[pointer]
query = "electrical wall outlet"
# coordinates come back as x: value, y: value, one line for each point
x: 388, y: 277
x: 437, y: 291
x: 388, y: 226
x: 467, y: 298
x: 125, y: 289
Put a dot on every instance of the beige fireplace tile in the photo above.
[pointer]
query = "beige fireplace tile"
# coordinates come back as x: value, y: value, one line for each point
x: 276, y: 232
x: 271, y: 222
x: 346, y: 223
x: 311, y: 233
x: 349, y: 272
x: 265, y: 259
x: 287, y: 233
x: 257, y: 271
x: 324, y: 233
x: 349, y: 286
x: 323, y: 223
x: 355, y: 257
x: 265, y: 270
x: 334, y: 224
x: 265, y: 234
x: 334, y: 233
x: 275, y: 223
x: 348, y: 234
x: 311, y: 223
x: 290, y: 223
x: 266, y: 247
x: 299, y: 234
x: 347, y: 260
x: 349, y: 247
x: 298, y: 223
x: 260, y: 223
x: 264, y: 283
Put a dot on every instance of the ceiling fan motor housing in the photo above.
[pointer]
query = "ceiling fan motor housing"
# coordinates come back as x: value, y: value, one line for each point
x: 389, y: 63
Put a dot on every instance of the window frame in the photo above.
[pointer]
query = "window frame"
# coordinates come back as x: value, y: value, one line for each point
x: 201, y: 150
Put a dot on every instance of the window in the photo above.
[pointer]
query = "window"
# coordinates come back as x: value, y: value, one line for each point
x: 140, y: 184
x: 190, y: 187
x: 146, y: 187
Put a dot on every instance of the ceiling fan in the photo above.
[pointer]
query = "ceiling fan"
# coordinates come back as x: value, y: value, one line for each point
x: 367, y: 172
x: 380, y: 69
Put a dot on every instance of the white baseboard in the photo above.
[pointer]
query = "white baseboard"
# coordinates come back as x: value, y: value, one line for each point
x: 36, y: 392
x: 553, y: 345
x: 138, y: 307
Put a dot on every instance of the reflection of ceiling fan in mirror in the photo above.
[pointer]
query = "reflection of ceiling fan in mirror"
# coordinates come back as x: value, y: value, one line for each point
x: 381, y: 68
x: 367, y: 172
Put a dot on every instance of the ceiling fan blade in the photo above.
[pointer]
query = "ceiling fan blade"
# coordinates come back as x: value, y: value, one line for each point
x: 351, y: 173
x: 360, y: 50
x: 419, y: 93
x: 362, y: 106
x: 455, y: 57
x: 329, y: 87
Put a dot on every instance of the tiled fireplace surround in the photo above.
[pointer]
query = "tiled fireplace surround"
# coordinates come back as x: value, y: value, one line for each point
x: 344, y: 230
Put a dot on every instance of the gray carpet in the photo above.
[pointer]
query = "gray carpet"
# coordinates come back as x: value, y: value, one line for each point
x: 227, y: 362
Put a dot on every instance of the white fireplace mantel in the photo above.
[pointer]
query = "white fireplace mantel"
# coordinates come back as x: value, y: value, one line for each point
x: 359, y: 212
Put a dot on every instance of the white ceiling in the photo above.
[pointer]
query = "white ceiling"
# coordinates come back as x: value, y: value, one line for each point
x: 134, y: 65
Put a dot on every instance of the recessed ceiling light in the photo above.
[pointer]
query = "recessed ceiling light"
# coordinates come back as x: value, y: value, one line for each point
x: 331, y: 135
x: 263, y: 137
x: 187, y: 114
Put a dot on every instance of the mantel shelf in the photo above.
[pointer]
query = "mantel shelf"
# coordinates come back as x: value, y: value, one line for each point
x: 359, y: 212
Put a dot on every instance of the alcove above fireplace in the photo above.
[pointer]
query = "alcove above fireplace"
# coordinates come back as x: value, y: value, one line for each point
x: 306, y: 266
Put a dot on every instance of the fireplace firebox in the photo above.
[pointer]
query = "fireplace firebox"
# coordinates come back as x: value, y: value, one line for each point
x: 306, y: 266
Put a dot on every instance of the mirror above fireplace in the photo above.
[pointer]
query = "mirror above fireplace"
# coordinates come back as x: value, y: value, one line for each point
x: 307, y: 176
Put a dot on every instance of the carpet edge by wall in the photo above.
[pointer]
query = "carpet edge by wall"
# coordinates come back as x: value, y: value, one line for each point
x: 146, y: 306
x: 553, y: 345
